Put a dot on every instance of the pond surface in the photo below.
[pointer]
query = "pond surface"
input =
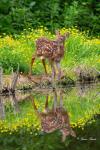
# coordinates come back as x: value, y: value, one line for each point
x: 51, y: 119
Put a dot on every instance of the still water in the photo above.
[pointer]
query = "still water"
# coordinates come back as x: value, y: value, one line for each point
x: 51, y: 119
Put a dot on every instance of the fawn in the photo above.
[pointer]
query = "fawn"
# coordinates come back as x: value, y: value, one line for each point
x: 53, y: 50
x: 56, y: 118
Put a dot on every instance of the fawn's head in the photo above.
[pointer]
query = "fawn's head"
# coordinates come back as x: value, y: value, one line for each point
x: 66, y: 132
x: 62, y: 38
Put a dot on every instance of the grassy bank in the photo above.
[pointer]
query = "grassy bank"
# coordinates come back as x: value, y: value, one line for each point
x: 79, y: 51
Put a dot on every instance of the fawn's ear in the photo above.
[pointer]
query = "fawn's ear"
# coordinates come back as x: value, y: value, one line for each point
x: 67, y: 34
x: 64, y: 135
x: 73, y: 133
x: 57, y: 32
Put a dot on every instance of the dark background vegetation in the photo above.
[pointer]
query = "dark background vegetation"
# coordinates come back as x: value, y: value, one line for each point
x: 16, y: 15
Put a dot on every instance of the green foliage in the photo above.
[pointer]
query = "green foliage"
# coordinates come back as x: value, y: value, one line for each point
x: 16, y: 15
x: 71, y: 14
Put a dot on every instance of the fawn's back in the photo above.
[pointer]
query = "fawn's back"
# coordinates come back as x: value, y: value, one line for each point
x: 50, y: 49
x: 52, y: 121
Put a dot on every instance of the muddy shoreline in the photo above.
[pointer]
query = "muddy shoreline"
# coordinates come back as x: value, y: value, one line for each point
x: 26, y: 83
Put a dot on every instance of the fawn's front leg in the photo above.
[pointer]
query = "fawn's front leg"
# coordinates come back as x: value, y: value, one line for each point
x: 55, y: 101
x: 59, y: 70
x: 61, y: 99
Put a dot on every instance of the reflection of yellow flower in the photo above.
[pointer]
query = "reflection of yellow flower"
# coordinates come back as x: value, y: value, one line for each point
x: 99, y: 60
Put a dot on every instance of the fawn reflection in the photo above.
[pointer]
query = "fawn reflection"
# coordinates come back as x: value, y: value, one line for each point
x: 55, y: 118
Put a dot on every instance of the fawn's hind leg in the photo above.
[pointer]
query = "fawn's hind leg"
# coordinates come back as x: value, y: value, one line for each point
x: 61, y: 99
x: 46, y: 105
x: 53, y: 70
x: 43, y: 62
x: 32, y: 61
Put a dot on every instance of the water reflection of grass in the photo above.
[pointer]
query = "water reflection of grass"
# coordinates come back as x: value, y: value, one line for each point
x: 24, y: 140
x: 80, y: 106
